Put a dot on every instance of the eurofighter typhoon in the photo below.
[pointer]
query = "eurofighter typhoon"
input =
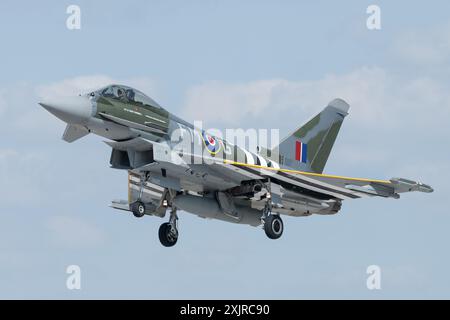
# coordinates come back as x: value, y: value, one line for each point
x: 173, y: 165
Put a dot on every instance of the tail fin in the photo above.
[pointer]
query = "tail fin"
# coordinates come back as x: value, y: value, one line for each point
x: 308, y: 148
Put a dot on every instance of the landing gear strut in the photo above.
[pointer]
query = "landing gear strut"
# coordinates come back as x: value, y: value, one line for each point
x: 273, y: 225
x: 168, y: 232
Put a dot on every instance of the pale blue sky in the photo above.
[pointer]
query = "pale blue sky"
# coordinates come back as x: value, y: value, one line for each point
x: 270, y: 64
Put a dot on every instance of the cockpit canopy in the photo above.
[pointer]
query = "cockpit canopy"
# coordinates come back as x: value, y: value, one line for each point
x: 127, y: 94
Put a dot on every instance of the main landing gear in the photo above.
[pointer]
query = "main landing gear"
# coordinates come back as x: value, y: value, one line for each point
x: 168, y: 232
x: 273, y: 225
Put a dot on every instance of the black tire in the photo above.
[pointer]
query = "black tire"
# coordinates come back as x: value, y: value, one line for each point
x: 138, y: 209
x: 165, y: 235
x: 273, y: 226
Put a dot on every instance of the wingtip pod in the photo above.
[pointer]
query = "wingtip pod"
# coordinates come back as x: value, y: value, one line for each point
x: 340, y: 104
x: 405, y: 185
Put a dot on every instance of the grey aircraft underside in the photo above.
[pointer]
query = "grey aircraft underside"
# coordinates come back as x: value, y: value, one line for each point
x: 173, y: 165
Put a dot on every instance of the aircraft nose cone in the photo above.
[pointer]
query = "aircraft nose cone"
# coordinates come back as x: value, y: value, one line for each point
x: 74, y: 110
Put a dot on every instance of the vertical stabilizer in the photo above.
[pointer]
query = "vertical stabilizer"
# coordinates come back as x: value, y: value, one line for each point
x: 309, y: 147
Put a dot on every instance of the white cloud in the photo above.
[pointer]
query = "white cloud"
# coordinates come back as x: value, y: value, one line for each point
x: 233, y: 103
x: 217, y: 100
x: 376, y: 97
x: 7, y: 153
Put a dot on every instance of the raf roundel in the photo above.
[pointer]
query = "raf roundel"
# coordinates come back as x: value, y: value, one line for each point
x: 211, y: 143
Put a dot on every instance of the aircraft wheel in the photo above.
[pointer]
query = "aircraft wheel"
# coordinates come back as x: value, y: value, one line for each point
x: 138, y: 209
x: 273, y: 226
x: 168, y: 235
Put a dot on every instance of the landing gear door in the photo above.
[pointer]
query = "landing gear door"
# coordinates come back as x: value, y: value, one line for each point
x: 150, y: 194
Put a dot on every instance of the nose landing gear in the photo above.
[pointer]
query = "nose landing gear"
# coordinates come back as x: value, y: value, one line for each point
x: 138, y: 209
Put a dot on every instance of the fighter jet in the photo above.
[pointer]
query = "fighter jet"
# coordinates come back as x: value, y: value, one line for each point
x: 173, y: 165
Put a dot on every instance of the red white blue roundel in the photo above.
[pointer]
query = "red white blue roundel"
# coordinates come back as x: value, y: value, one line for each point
x: 211, y: 143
